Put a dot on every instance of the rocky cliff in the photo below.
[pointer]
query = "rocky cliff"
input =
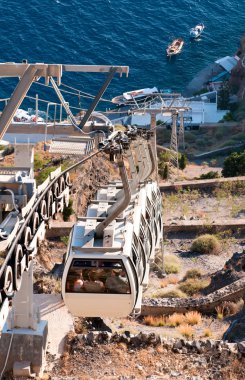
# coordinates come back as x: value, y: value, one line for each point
x: 237, y: 79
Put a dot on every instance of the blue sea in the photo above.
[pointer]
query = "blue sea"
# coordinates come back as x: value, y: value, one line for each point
x: 118, y: 32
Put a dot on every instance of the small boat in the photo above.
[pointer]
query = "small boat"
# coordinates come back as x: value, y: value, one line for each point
x: 131, y: 97
x: 175, y: 47
x: 197, y: 31
x: 22, y: 116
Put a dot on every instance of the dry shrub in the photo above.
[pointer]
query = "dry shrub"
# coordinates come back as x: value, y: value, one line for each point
x: 206, y: 244
x: 207, y: 333
x: 164, y: 283
x: 193, y: 286
x: 171, y: 280
x: 186, y: 330
x: 171, y: 264
x: 48, y: 285
x: 193, y: 318
x: 150, y: 320
x: 175, y: 319
x: 192, y: 273
x: 231, y: 308
x: 220, y: 312
x: 175, y: 293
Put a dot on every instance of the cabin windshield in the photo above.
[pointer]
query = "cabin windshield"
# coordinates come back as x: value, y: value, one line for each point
x: 97, y: 276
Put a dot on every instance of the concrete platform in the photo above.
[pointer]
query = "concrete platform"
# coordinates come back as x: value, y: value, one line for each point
x: 60, y: 322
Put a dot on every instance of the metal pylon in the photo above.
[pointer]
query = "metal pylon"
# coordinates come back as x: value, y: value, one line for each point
x: 174, y: 160
x: 181, y: 139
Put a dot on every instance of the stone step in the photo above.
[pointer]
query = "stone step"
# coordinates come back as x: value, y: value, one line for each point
x: 72, y: 145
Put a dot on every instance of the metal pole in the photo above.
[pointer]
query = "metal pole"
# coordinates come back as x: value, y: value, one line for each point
x: 36, y: 107
x: 97, y: 97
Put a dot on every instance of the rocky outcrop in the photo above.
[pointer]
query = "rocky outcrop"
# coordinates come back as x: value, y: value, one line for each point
x: 236, y: 331
x: 237, y: 79
x: 234, y: 269
x: 143, y: 340
x: 205, y: 304
x: 88, y: 179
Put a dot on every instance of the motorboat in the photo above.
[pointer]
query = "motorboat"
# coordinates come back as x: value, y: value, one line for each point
x: 175, y: 47
x: 197, y: 31
x: 131, y: 97
x: 22, y: 116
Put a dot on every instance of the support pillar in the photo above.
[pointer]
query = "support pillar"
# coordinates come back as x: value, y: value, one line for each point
x: 24, y: 336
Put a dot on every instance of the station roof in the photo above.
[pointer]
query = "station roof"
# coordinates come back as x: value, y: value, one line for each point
x: 227, y: 62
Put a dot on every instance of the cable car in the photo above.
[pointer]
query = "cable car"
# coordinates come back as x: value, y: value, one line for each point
x: 104, y: 276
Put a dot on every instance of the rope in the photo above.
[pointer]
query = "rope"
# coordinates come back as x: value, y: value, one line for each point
x: 78, y: 94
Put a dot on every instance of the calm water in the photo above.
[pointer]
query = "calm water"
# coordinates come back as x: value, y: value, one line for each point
x: 119, y: 32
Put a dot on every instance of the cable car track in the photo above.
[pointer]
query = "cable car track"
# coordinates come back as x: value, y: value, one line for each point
x: 20, y: 252
x: 49, y: 201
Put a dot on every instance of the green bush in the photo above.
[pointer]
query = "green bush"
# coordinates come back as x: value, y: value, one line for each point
x: 182, y: 162
x: 192, y: 273
x: 38, y: 162
x: 234, y: 165
x: 210, y: 175
x: 64, y: 239
x: 42, y: 175
x: 206, y: 244
x: 175, y: 293
x: 171, y: 264
x: 7, y: 151
x: 68, y: 211
x: 164, y: 173
x: 193, y: 286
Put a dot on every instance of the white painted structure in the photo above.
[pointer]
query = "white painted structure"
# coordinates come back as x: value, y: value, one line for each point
x: 228, y: 63
x: 201, y: 110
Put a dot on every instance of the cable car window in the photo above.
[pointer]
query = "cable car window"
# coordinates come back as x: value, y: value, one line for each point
x: 97, y: 276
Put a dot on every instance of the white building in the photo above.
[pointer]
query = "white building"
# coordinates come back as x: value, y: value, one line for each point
x: 202, y: 109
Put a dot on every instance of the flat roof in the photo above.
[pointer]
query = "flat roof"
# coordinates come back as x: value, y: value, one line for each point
x: 227, y: 62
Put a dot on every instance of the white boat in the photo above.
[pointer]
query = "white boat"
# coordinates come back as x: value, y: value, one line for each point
x: 175, y: 47
x: 197, y: 31
x: 22, y: 116
x: 137, y: 95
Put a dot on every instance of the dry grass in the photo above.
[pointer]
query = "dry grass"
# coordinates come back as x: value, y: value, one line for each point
x: 193, y: 318
x: 171, y: 280
x: 206, y: 244
x: 231, y: 308
x: 192, y: 273
x: 186, y: 330
x: 150, y: 320
x: 175, y: 293
x: 220, y: 312
x: 193, y: 286
x: 171, y: 264
x: 207, y: 333
x: 175, y: 319
x: 48, y: 284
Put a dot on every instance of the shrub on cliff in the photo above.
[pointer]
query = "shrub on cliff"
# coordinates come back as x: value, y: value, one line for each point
x: 206, y: 244
x: 193, y: 286
x: 171, y: 264
x: 234, y: 165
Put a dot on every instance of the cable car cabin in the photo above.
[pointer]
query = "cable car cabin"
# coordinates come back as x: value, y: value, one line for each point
x: 105, y: 276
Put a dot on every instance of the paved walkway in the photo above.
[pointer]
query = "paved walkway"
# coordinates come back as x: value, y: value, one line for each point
x: 60, y: 321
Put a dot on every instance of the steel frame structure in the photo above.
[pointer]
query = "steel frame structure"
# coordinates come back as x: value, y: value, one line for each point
x: 28, y: 73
